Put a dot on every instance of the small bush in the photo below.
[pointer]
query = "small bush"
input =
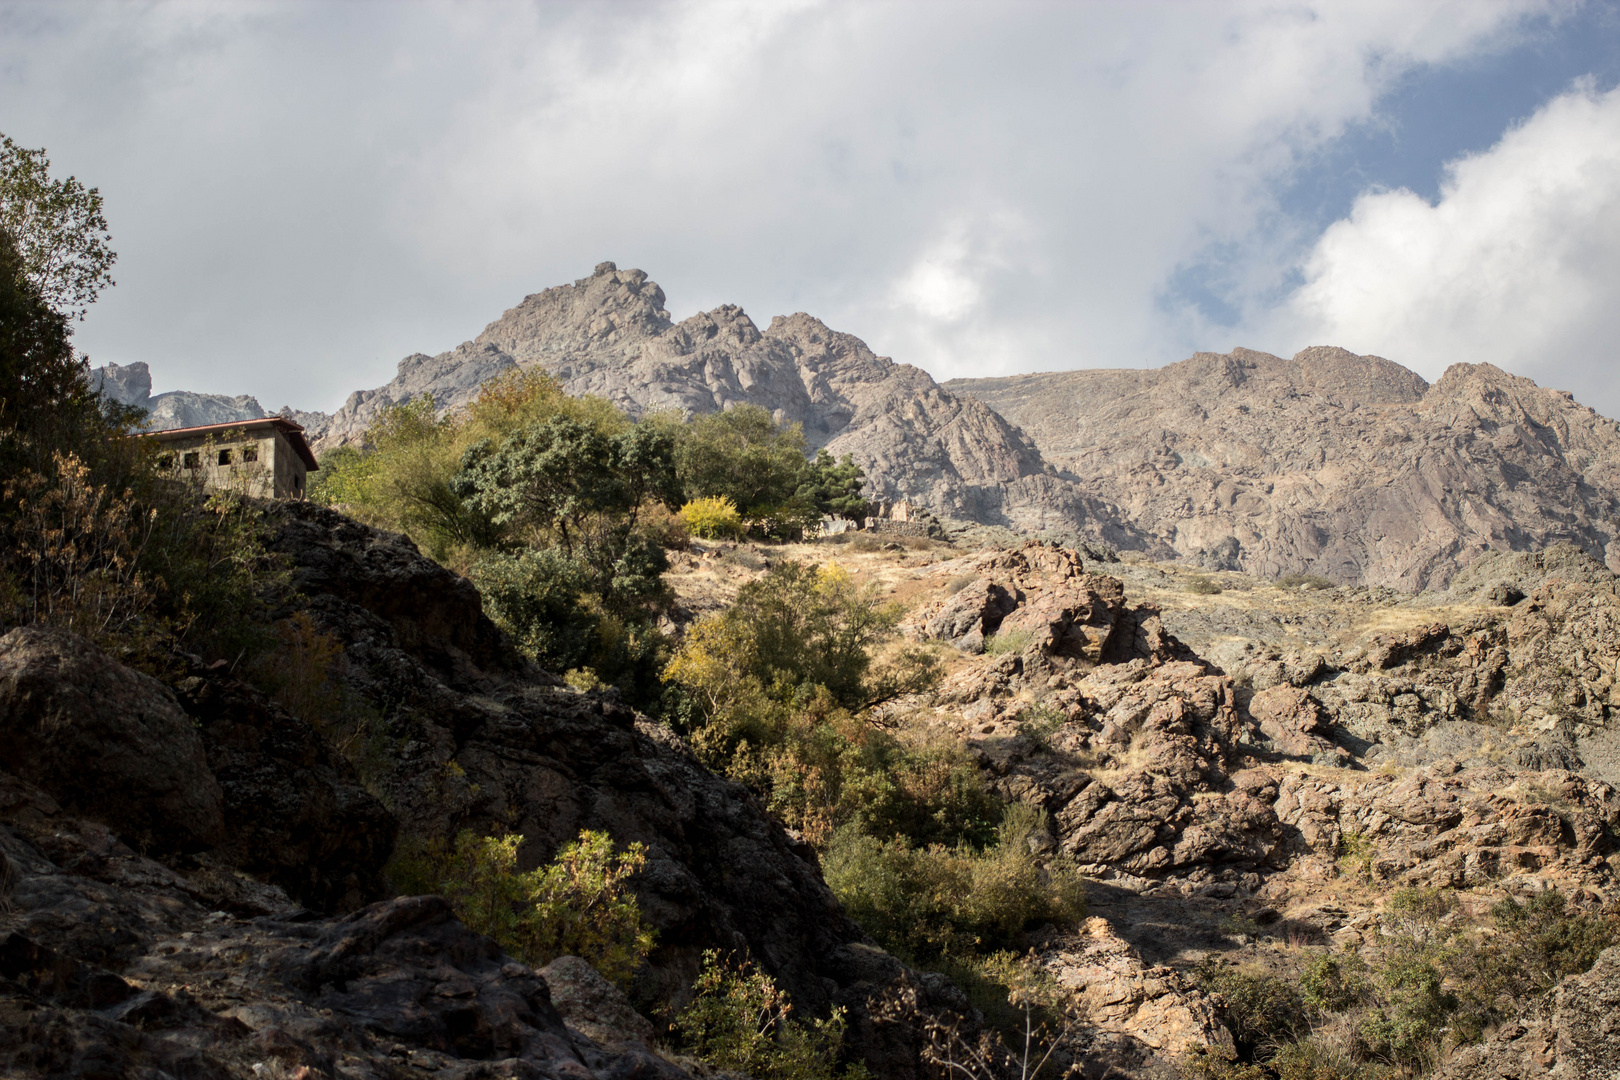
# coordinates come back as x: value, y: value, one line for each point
x: 926, y: 903
x: 739, y: 1019
x: 1313, y: 582
x: 1355, y: 856
x: 713, y: 517
x: 535, y: 596
x: 1334, y: 983
x: 1203, y: 586
x: 579, y: 904
x: 1039, y: 723
x: 1263, y: 1012
x: 1012, y: 640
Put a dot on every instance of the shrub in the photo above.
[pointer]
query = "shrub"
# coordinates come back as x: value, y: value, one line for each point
x: 1263, y: 1012
x: 1203, y: 586
x: 76, y: 549
x: 928, y: 903
x: 1011, y: 640
x: 713, y: 517
x: 535, y: 597
x: 739, y: 1019
x: 1355, y: 853
x: 1313, y: 582
x: 579, y: 904
x: 1334, y: 982
x: 796, y: 628
x: 1039, y: 723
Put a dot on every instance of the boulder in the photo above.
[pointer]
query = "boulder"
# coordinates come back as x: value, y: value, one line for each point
x: 106, y: 742
x: 1292, y: 720
x: 296, y: 814
x: 592, y: 1005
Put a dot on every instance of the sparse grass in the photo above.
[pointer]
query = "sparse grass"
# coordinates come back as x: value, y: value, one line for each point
x: 1015, y: 640
x: 744, y: 557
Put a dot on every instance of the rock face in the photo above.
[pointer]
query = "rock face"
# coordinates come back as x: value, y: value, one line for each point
x: 131, y: 384
x: 1350, y: 467
x: 479, y: 739
x: 1573, y: 1032
x: 610, y: 335
x: 105, y: 741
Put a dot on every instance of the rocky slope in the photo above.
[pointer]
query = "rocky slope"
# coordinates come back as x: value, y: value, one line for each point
x: 609, y: 334
x: 1329, y: 463
x: 1209, y: 746
x: 179, y: 855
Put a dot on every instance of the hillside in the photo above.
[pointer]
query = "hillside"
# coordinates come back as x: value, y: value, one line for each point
x: 609, y: 334
x: 1346, y: 466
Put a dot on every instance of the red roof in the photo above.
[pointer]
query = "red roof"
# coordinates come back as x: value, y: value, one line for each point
x: 291, y: 431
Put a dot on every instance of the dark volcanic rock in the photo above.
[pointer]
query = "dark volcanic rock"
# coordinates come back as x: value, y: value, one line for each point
x: 105, y: 741
x: 295, y: 812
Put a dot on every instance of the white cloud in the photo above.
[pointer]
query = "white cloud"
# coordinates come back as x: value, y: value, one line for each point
x: 302, y: 194
x: 1517, y: 263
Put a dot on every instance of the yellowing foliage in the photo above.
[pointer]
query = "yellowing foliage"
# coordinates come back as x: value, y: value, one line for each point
x: 714, y: 517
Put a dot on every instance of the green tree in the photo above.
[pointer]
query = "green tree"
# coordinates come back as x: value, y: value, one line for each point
x: 564, y: 483
x: 40, y: 379
x: 59, y: 230
x: 834, y: 487
x: 742, y: 454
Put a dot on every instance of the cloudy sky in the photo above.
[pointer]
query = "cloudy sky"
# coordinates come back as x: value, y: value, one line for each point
x: 303, y: 193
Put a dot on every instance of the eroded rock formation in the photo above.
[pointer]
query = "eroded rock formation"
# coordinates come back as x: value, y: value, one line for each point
x: 1350, y: 467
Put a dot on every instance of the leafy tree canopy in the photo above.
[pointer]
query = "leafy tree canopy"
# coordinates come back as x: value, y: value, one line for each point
x: 743, y: 455
x: 38, y: 372
x: 59, y: 230
x: 834, y: 487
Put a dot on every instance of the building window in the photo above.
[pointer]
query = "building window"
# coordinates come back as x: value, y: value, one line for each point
x: 224, y: 457
x: 192, y: 460
x: 250, y: 453
x: 165, y: 461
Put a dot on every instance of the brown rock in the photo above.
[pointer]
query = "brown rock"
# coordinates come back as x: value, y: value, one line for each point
x: 1291, y: 719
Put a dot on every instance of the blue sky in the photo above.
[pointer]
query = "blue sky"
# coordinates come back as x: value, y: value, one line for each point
x: 302, y: 194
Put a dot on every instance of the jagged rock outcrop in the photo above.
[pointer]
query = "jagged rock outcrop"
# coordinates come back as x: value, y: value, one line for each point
x: 1346, y: 466
x: 609, y: 334
x: 131, y: 384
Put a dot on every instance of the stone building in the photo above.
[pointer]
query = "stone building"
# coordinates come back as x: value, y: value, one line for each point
x: 267, y: 458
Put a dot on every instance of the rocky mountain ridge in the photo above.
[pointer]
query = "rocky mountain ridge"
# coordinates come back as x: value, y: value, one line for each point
x: 1349, y: 467
x: 609, y: 334
x: 1328, y: 463
x: 131, y: 384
